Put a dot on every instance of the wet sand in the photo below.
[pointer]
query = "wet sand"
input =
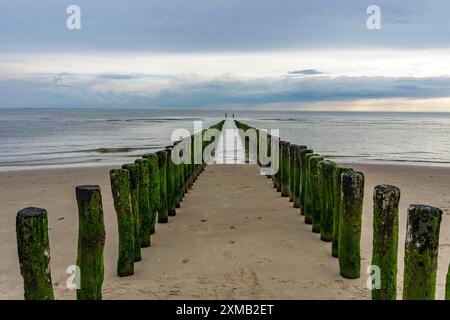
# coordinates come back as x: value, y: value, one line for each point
x: 233, y: 238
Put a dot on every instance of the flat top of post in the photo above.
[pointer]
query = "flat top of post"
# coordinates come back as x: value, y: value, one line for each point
x: 386, y: 188
x: 327, y: 163
x: 31, y: 212
x: 129, y: 165
x: 88, y: 187
x: 423, y: 208
x: 141, y: 160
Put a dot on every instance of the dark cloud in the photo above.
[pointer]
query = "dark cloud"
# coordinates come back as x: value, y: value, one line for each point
x: 224, y: 91
x: 109, y: 76
x: 306, y: 72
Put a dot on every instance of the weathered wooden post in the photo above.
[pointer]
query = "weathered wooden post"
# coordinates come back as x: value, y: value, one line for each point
x: 316, y: 196
x: 303, y: 177
x: 309, y: 194
x: 292, y: 152
x: 145, y: 217
x: 350, y: 224
x: 447, y: 285
x: 34, y: 253
x: 120, y: 188
x: 337, y: 208
x: 176, y: 180
x: 421, y: 252
x: 170, y: 183
x: 285, y: 169
x: 162, y: 162
x: 180, y: 176
x: 326, y: 183
x: 280, y: 166
x: 297, y: 175
x: 133, y: 169
x: 91, y: 242
x: 269, y: 153
x: 385, y: 240
x: 153, y: 187
x: 192, y: 165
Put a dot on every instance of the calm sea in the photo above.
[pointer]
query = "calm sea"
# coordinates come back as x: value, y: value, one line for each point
x: 46, y: 138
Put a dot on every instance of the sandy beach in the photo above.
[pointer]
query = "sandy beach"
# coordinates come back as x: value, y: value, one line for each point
x: 233, y: 238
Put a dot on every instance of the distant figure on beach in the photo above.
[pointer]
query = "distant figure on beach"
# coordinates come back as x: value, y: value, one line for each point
x: 225, y: 115
x: 233, y: 115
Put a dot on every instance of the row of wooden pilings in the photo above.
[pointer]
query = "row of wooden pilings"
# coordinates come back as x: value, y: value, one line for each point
x: 144, y: 192
x: 330, y: 198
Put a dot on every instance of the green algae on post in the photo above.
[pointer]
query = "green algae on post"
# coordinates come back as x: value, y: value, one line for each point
x: 292, y: 152
x: 447, y: 285
x: 91, y: 242
x: 337, y: 210
x: 285, y: 169
x: 421, y: 252
x: 350, y: 225
x: 154, y: 194
x: 315, y: 192
x: 170, y: 176
x: 176, y: 178
x: 34, y: 253
x: 280, y: 166
x: 133, y: 169
x: 326, y: 184
x: 309, y: 196
x: 297, y: 175
x: 303, y: 177
x: 120, y: 188
x: 145, y: 218
x: 385, y: 240
x: 162, y: 162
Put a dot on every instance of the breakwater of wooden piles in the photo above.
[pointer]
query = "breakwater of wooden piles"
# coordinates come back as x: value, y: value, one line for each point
x: 330, y: 198
x: 145, y: 193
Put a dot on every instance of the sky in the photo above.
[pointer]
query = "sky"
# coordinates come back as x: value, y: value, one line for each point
x: 235, y: 54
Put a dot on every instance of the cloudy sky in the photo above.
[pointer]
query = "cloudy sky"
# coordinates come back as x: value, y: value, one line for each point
x: 271, y: 54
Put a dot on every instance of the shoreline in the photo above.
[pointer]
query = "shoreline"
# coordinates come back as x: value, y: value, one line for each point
x: 54, y: 190
x: 80, y: 166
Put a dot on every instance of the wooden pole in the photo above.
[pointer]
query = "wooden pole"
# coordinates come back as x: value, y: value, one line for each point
x: 315, y: 192
x: 171, y: 193
x: 385, y: 240
x: 145, y: 215
x: 326, y: 184
x: 285, y: 170
x: 303, y: 177
x: 120, y: 188
x: 280, y: 166
x: 34, y: 253
x: 176, y: 178
x: 297, y: 175
x: 162, y: 162
x: 421, y: 252
x: 292, y: 152
x: 133, y: 169
x: 309, y: 194
x: 91, y: 242
x: 337, y: 208
x: 154, y: 195
x: 350, y: 224
x: 447, y: 285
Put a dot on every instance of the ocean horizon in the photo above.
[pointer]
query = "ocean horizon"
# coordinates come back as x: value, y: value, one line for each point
x: 34, y: 138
